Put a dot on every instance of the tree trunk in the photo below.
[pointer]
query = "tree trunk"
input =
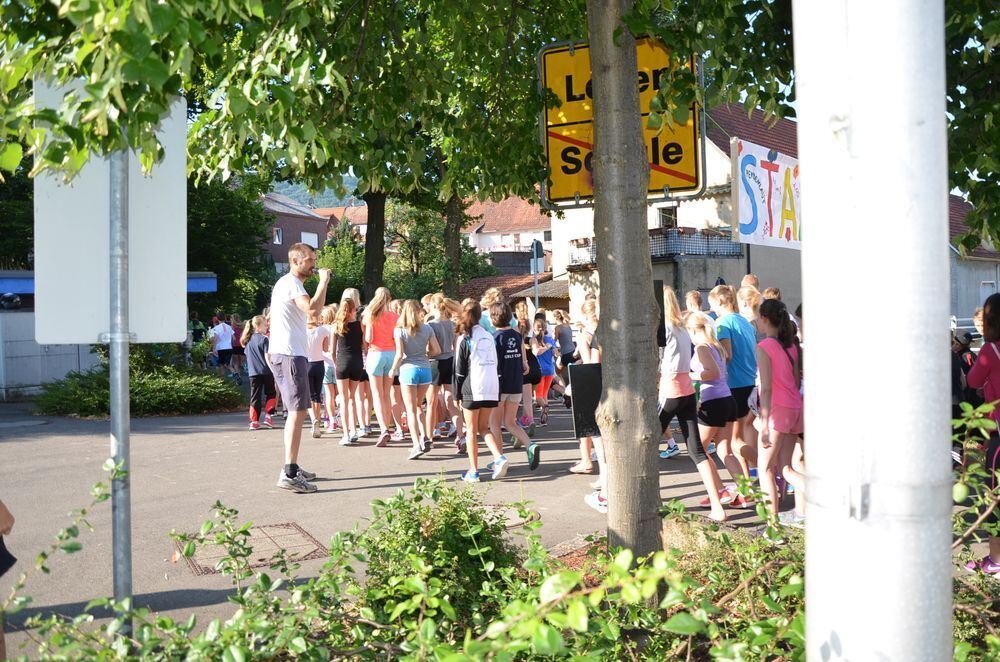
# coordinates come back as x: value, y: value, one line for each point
x: 627, y: 413
x: 374, y: 242
x: 454, y: 215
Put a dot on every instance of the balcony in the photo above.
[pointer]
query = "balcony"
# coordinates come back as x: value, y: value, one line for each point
x: 666, y: 244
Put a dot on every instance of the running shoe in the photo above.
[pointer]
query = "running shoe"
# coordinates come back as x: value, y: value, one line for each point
x: 711, y: 448
x: 500, y: 467
x: 985, y: 565
x: 460, y: 445
x: 449, y: 431
x: 670, y: 452
x: 383, y: 440
x: 793, y: 519
x: 534, y: 456
x: 317, y: 430
x: 753, y: 473
x: 329, y: 429
x: 568, y: 401
x: 347, y: 440
x: 426, y: 445
x: 597, y: 502
x: 308, y: 475
x: 415, y: 453
x: 268, y: 423
x: 297, y: 484
x: 543, y: 419
x: 398, y: 435
x: 517, y: 444
x: 470, y: 477
x: 366, y: 430
x: 725, y: 498
x: 254, y: 425
x: 531, y: 429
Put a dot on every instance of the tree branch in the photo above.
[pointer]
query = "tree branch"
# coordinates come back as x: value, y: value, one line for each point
x: 975, y: 525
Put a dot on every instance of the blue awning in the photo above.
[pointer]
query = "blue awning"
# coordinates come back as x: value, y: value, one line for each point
x: 23, y: 282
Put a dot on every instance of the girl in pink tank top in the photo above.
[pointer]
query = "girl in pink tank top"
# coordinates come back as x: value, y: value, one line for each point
x: 779, y: 375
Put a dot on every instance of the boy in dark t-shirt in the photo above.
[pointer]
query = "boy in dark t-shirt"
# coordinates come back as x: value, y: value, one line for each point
x: 512, y: 365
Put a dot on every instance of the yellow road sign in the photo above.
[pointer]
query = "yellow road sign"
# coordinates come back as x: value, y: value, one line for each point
x: 674, y: 154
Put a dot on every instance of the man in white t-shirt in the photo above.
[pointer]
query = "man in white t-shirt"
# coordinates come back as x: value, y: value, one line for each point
x: 288, y: 349
x: 222, y: 346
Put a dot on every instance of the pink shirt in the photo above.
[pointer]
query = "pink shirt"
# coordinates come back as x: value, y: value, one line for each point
x: 784, y: 392
x: 985, y: 374
x: 382, y: 328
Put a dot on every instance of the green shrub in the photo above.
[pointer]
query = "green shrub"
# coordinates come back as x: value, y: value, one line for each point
x: 159, y: 392
x: 443, y: 534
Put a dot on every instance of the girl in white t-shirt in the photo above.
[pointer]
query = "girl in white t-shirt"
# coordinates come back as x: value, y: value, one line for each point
x: 326, y: 317
x: 317, y: 343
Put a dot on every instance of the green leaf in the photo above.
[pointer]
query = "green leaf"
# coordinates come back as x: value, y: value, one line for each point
x: 684, y: 623
x: 547, y: 640
x: 234, y: 654
x: 71, y: 547
x: 577, y: 615
x: 189, y: 550
x: 556, y: 586
x: 10, y: 156
x: 298, y: 645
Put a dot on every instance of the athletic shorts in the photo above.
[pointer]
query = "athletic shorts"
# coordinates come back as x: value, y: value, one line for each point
x: 510, y: 397
x: 353, y: 371
x: 316, y: 370
x: 291, y: 378
x: 329, y: 375
x: 567, y: 359
x: 786, y: 420
x: 479, y: 404
x: 225, y: 356
x: 379, y: 363
x: 414, y: 375
x: 717, y: 413
x: 446, y: 371
x: 239, y: 351
x: 742, y: 396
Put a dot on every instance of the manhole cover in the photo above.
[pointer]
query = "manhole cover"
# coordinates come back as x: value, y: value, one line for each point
x: 265, y: 540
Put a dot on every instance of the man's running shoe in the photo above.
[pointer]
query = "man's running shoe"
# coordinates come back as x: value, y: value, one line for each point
x: 670, y: 452
x: 500, y: 467
x: 534, y: 456
x: 470, y: 477
x: 460, y: 448
x: 308, y: 475
x: 597, y: 502
x: 254, y: 425
x: 268, y: 423
x: 985, y: 565
x: 298, y: 484
x: 317, y: 430
x: 383, y: 440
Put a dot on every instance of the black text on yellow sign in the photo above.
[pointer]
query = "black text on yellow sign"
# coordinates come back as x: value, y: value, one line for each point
x: 674, y: 153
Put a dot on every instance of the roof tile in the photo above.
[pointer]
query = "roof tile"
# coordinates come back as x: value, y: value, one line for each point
x: 508, y: 284
x: 507, y: 216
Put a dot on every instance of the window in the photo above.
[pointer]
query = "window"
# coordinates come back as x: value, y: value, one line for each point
x: 547, y: 236
x: 277, y: 236
x: 517, y: 240
x: 310, y: 238
x: 668, y: 217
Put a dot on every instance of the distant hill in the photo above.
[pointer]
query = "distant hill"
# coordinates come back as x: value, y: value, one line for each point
x: 327, y: 198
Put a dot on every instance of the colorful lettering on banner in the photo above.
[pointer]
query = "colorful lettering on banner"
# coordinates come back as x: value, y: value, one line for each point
x: 766, y: 201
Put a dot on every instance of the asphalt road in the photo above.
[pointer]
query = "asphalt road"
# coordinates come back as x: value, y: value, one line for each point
x: 182, y: 465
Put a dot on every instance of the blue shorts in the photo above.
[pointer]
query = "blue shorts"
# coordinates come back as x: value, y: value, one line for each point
x: 379, y: 363
x: 329, y: 375
x: 414, y: 375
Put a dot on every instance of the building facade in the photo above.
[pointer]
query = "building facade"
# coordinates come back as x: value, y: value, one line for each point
x: 293, y: 223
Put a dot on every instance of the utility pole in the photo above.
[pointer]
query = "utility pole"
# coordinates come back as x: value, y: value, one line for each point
x: 870, y: 79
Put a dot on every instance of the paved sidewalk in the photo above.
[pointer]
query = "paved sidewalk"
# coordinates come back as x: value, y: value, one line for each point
x: 182, y: 465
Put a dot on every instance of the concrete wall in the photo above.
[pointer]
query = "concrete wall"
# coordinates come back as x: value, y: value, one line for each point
x: 970, y: 281
x: 25, y: 365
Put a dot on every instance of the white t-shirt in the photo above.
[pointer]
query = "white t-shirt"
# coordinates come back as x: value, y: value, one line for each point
x: 315, y: 337
x: 223, y: 334
x: 288, y: 323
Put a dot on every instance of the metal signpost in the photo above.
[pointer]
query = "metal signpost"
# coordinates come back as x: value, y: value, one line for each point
x: 112, y: 212
x: 676, y: 155
x: 537, y: 264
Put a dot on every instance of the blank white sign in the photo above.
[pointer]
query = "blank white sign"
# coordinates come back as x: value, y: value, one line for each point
x: 72, y: 244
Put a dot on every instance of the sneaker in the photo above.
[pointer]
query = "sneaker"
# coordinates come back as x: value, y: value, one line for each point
x: 347, y: 440
x: 449, y: 431
x: 355, y: 436
x: 753, y: 473
x: 426, y: 445
x: 415, y: 453
x: 297, y: 484
x: 568, y: 401
x: 254, y: 425
x: 531, y: 429
x: 317, y: 430
x: 534, y: 456
x: 329, y: 429
x: 383, y: 440
x: 268, y: 423
x: 597, y: 502
x: 985, y: 565
x: 711, y: 448
x: 308, y: 475
x: 366, y: 430
x: 470, y: 477
x: 398, y: 435
x: 500, y: 467
x: 543, y: 419
x: 517, y: 444
x: 793, y: 519
x: 460, y: 446
x: 670, y: 452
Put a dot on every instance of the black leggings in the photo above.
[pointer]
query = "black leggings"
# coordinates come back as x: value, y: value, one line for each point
x: 316, y: 371
x: 685, y: 409
x: 262, y: 396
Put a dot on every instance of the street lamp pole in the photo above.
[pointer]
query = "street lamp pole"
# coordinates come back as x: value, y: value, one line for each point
x: 873, y: 151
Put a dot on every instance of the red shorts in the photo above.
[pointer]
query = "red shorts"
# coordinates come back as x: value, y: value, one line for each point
x: 786, y: 420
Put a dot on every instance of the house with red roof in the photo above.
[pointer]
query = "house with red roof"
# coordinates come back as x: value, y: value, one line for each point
x: 505, y: 231
x: 293, y: 223
x: 356, y: 215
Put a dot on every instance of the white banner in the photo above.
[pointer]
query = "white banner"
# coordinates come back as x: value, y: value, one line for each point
x: 766, y: 190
